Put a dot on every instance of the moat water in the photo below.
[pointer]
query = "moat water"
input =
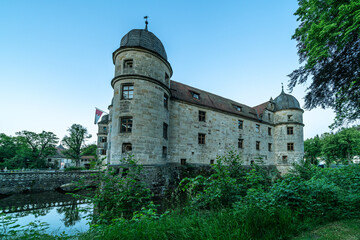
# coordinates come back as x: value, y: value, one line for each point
x: 61, y: 212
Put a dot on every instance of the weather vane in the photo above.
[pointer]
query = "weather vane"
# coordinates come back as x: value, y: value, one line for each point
x: 146, y: 22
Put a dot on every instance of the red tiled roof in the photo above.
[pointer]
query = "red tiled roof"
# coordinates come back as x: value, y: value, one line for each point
x: 261, y: 108
x: 184, y: 93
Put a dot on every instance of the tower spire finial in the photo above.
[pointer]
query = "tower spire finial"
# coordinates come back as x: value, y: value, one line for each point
x: 282, y: 87
x: 146, y: 22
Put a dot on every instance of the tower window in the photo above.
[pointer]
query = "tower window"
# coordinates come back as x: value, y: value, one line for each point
x: 166, y: 101
x: 290, y: 146
x: 183, y: 161
x: 290, y: 130
x: 269, y: 131
x: 103, y: 151
x: 165, y: 131
x: 240, y: 143
x: 167, y: 79
x: 257, y: 145
x: 126, y: 147
x: 164, y: 152
x: 238, y: 108
x: 290, y: 117
x: 126, y: 124
x: 128, y: 63
x: 201, y: 138
x: 127, y: 91
x: 240, y: 124
x: 195, y: 95
x: 269, y: 116
x: 257, y: 128
x: 269, y: 147
x: 202, y: 116
x: 212, y: 161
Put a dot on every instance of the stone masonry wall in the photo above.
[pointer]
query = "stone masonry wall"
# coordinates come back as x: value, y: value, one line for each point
x: 38, y: 181
x: 221, y: 135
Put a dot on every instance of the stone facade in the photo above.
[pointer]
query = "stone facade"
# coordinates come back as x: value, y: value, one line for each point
x: 161, y: 121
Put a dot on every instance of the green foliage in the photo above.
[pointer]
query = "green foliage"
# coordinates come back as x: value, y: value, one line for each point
x: 75, y: 141
x: 339, y: 147
x: 27, y: 150
x: 120, y: 195
x: 329, y: 45
x: 90, y: 150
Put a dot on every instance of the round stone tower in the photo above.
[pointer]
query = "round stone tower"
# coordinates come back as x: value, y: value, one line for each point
x: 140, y: 114
x: 289, y: 134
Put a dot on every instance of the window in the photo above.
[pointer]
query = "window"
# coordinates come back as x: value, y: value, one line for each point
x: 164, y: 152
x: 202, y: 116
x: 166, y: 101
x: 127, y: 91
x: 284, y: 159
x: 201, y: 138
x: 103, y: 152
x: 212, y: 161
x: 195, y: 95
x: 128, y: 63
x: 167, y: 78
x: 103, y: 139
x: 269, y: 147
x: 257, y: 128
x: 126, y: 147
x: 104, y: 128
x: 257, y: 145
x: 269, y: 116
x: 240, y: 124
x: 183, y: 161
x: 290, y: 146
x: 165, y: 131
x: 269, y: 131
x: 238, y: 108
x: 126, y: 124
x: 290, y: 130
x: 290, y: 117
x: 240, y: 143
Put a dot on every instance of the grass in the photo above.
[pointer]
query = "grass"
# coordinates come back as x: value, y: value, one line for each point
x: 340, y: 230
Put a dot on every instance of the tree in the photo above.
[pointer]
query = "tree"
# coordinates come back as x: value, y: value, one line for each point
x: 40, y: 146
x: 328, y: 40
x: 90, y: 150
x: 75, y: 141
x: 8, y: 147
x: 312, y: 149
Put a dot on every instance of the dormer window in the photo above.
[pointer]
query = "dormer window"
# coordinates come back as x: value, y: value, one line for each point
x: 128, y: 63
x: 238, y: 108
x: 195, y: 95
x: 290, y: 117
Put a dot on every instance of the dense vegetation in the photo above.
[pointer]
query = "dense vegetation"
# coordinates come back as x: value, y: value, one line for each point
x: 31, y: 150
x: 328, y: 40
x: 230, y: 203
x: 339, y: 147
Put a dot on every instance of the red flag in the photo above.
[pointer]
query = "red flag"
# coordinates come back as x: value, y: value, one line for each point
x: 98, y: 114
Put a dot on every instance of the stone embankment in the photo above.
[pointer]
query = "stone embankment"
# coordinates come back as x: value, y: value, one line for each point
x: 39, y: 181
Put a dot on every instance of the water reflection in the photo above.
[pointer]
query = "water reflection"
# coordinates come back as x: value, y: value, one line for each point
x: 62, y: 212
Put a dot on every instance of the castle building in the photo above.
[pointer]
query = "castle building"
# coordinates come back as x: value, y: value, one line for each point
x: 162, y: 121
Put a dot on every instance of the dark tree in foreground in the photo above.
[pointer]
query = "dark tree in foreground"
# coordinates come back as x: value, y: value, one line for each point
x: 329, y: 46
x: 75, y: 141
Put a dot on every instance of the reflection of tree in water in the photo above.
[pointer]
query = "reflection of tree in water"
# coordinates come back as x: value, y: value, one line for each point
x: 71, y: 214
x: 35, y: 212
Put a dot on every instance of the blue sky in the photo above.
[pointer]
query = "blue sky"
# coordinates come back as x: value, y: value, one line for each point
x: 56, y: 65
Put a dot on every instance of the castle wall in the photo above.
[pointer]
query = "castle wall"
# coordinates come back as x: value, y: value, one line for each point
x: 221, y: 135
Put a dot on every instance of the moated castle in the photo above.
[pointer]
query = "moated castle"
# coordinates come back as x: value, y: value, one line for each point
x: 163, y: 121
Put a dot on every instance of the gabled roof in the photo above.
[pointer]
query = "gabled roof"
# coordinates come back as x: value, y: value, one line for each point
x: 261, y: 108
x: 184, y: 92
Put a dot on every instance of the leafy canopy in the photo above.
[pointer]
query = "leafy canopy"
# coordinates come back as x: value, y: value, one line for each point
x: 328, y: 40
x: 75, y: 141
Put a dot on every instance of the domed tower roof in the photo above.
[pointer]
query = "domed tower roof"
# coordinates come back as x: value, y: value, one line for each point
x: 144, y: 39
x: 286, y: 101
